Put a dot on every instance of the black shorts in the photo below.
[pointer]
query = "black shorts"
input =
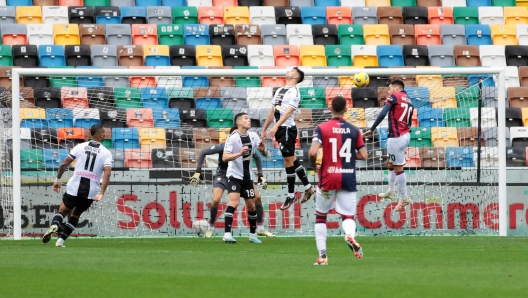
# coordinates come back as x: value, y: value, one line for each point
x: 244, y: 187
x: 220, y: 180
x: 286, y: 137
x: 82, y: 204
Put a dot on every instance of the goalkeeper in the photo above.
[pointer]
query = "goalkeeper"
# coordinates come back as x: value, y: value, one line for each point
x: 220, y: 184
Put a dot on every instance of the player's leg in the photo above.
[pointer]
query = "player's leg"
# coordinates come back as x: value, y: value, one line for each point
x: 290, y: 180
x: 57, y: 220
x: 390, y: 194
x: 399, y: 161
x: 346, y: 207
x: 233, y: 188
x: 261, y: 231
x: 249, y: 193
x: 82, y: 205
x: 218, y: 192
x: 309, y: 190
x: 324, y: 202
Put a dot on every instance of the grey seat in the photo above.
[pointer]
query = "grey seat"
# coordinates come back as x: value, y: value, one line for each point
x: 118, y: 156
x: 364, y: 15
x: 13, y: 29
x: 122, y: 2
x: 320, y: 81
x: 118, y: 34
x: 273, y: 34
x: 490, y: 97
x: 116, y: 82
x: 159, y: 15
x: 301, y: 3
x: 441, y: 55
x: 6, y: 115
x: 7, y: 15
x: 453, y: 34
x: 234, y: 98
x: 491, y: 136
x: 104, y: 55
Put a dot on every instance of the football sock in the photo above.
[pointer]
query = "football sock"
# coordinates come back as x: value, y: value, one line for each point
x: 349, y: 225
x: 301, y: 173
x: 212, y: 217
x: 320, y: 234
x: 252, y: 219
x: 392, y: 181
x: 260, y: 227
x: 69, y: 227
x: 57, y: 219
x: 228, y: 218
x: 402, y: 184
x: 260, y: 214
x: 290, y: 179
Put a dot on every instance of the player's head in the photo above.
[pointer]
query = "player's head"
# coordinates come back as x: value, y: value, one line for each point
x: 242, y: 120
x: 396, y: 86
x: 98, y: 132
x: 295, y: 74
x: 338, y: 105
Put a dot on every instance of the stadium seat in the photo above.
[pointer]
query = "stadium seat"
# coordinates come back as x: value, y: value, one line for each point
x: 85, y: 118
x: 489, y: 119
x: 489, y: 156
x: 491, y: 15
x: 81, y: 15
x: 195, y: 81
x: 260, y: 97
x: 390, y: 15
x: 346, y: 92
x: 299, y: 34
x: 63, y: 81
x: 193, y: 117
x: 350, y: 34
x: 66, y: 34
x: 78, y: 55
x: 182, y: 55
x: 356, y: 116
x: 523, y: 75
x: 89, y: 81
x: 74, y: 97
x: 25, y: 55
x: 8, y: 15
x: 206, y: 98
x: 513, y: 117
x: 512, y: 76
x: 515, y: 156
x: 415, y: 15
x: 312, y: 97
x: 459, y: 157
x: 402, y: 34
x: 133, y: 15
x: 54, y: 157
x: 412, y: 158
x: 152, y: 138
x: 159, y: 15
x: 140, y: 117
x: 59, y: 117
x: 517, y: 97
x: 477, y: 3
x: 416, y: 55
x: 440, y: 15
x: 453, y: 34
x: 457, y: 117
x: 302, y: 3
x: 14, y: 34
x: 200, y: 2
x: 55, y: 15
x: 226, y: 81
x: 312, y: 55
x: 313, y: 15
x: 487, y: 80
x: 421, y: 137
x: 524, y: 112
x: 156, y: 55
x: 338, y: 15
x: 441, y: 97
x: 144, y: 34
x: 184, y: 15
x: 420, y: 96
x: 32, y: 159
x: 236, y: 15
x: 467, y: 97
x: 130, y: 55
x: 444, y: 137
x: 371, y: 114
x: 125, y: 138
x: 364, y: 15
x: 519, y: 137
x: 503, y: 34
x: 365, y: 97
x: 126, y: 98
x: 490, y: 99
x: 71, y: 137
x: 338, y: 55
x: 182, y: 98
x: 466, y: 15
x: 469, y: 137
x: 6, y: 56
x: 467, y: 55
x: 364, y: 55
x: 430, y: 117
x: 107, y: 15
x: 515, y: 56
x: 71, y: 2
x: 325, y: 34
x: 92, y: 34
x: 288, y: 15
x: 196, y: 34
x: 154, y: 97
x: 104, y: 55
x: 219, y: 117
x: 235, y: 55
x: 441, y: 55
x: 260, y: 15
x: 248, y: 34
x: 33, y: 118
x: 492, y: 55
x: 101, y: 98
x: 222, y: 34
x: 517, y: 15
x: 351, y: 3
x: 28, y: 15
x: 210, y: 15
x: 427, y: 34
x: 390, y: 55
x: 274, y: 34
x: 376, y: 34
x: 261, y: 55
x: 170, y: 34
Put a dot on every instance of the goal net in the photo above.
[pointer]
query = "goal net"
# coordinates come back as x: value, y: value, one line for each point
x: 158, y: 120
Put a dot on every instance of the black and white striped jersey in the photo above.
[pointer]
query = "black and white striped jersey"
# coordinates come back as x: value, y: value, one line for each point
x: 284, y: 98
x: 241, y: 167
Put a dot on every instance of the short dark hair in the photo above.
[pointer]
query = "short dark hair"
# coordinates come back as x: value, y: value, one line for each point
x: 235, y: 126
x: 301, y: 75
x: 398, y: 83
x: 96, y: 128
x: 232, y: 129
x: 339, y: 104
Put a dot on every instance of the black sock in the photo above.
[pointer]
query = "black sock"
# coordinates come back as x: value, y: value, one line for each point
x: 228, y: 218
x: 260, y: 213
x: 252, y: 219
x: 57, y: 219
x: 212, y: 219
x: 69, y: 227
x: 290, y: 179
x: 301, y: 172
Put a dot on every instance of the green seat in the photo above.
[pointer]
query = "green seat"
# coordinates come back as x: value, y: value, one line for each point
x: 31, y: 159
x: 96, y: 2
x: 184, y: 15
x: 454, y: 78
x: 313, y: 97
x: 60, y: 81
x: 219, y: 118
x: 350, y: 34
x: 6, y: 58
x: 421, y: 137
x: 503, y: 3
x: 466, y: 15
x: 467, y: 97
x: 108, y: 143
x: 169, y: 34
x: 126, y: 98
x: 179, y: 94
x: 243, y: 81
x: 403, y: 3
x: 338, y: 55
x: 457, y: 117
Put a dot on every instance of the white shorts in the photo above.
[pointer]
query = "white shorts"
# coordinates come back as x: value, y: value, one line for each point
x: 345, y: 201
x: 396, y: 148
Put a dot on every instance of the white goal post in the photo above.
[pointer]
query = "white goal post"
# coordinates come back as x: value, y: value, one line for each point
x: 17, y: 73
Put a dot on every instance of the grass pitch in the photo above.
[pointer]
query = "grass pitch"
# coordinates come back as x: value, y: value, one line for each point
x: 280, y: 267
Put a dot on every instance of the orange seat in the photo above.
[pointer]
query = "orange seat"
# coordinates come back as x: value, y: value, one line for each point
x: 338, y: 15
x: 142, y: 82
x: 73, y: 97
x: 287, y: 55
x: 138, y: 158
x: 210, y: 15
x: 71, y: 3
x: 440, y: 15
x: 412, y: 158
x: 272, y: 81
x: 140, y: 117
x: 77, y: 135
x: 331, y: 92
x: 144, y: 34
x: 225, y: 2
x: 427, y: 35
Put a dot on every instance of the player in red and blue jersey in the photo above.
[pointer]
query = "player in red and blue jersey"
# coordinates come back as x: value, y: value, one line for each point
x: 337, y: 176
x: 400, y: 109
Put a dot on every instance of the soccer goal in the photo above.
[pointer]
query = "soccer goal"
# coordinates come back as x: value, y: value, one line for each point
x: 158, y: 120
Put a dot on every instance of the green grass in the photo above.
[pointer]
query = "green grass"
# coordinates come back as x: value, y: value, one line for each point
x: 280, y: 267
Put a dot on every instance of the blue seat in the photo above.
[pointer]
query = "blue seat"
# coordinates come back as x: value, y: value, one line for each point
x: 33, y: 123
x: 51, y: 55
x: 420, y: 96
x: 195, y: 82
x: 133, y: 15
x: 313, y: 15
x: 273, y: 160
x: 125, y: 138
x: 154, y: 97
x: 19, y: 3
x: 147, y: 2
x: 208, y: 102
x: 59, y: 118
x: 327, y: 3
x: 196, y: 34
x: 478, y: 3
x: 429, y: 117
x: 478, y: 35
x: 107, y: 15
x: 89, y: 81
x: 487, y: 80
x: 166, y: 118
x: 173, y: 2
x: 459, y: 157
x: 383, y: 136
x: 390, y: 55
x: 157, y: 60
x: 85, y: 118
x: 54, y: 157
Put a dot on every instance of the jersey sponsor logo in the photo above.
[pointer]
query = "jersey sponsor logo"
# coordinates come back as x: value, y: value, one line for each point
x: 341, y: 130
x: 86, y: 175
x: 337, y: 170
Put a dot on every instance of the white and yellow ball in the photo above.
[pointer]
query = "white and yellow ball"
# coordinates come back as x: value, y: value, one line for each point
x: 200, y: 227
x: 361, y: 79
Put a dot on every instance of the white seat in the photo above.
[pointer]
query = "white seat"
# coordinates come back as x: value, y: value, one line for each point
x: 489, y: 156
x: 169, y: 81
x: 199, y: 2
x: 262, y: 15
x: 453, y: 3
x: 55, y: 15
x: 261, y: 55
x: 40, y: 34
x: 512, y: 76
x: 488, y: 117
x: 2, y: 2
x: 492, y: 55
x: 522, y: 34
x: 259, y: 97
x: 362, y: 50
x: 352, y: 3
x: 85, y: 113
x: 371, y: 114
x: 491, y: 15
x: 518, y: 133
x: 299, y: 34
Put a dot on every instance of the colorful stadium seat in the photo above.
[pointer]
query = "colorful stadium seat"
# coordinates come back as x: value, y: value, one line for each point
x: 390, y: 55
x: 236, y: 15
x: 222, y: 34
x: 493, y: 55
x: 402, y: 34
x: 390, y: 15
x: 491, y: 15
x: 376, y: 34
x: 133, y: 15
x: 196, y: 34
x: 81, y: 15
x: 159, y: 15
x: 28, y: 14
x: 210, y: 15
x: 467, y: 55
x: 184, y: 15
x: 55, y: 15
x: 441, y: 55
x: 261, y: 15
x: 440, y: 15
x: 182, y: 55
x: 107, y: 15
x: 364, y: 15
x: 466, y: 15
x: 338, y: 15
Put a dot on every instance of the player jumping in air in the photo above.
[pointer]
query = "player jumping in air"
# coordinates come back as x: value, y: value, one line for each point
x: 220, y: 184
x: 400, y: 110
x: 337, y: 177
x: 285, y: 102
x: 238, y: 150
x: 94, y: 162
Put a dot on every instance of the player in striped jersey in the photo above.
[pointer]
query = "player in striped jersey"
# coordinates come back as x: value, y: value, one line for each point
x: 337, y: 177
x: 93, y: 162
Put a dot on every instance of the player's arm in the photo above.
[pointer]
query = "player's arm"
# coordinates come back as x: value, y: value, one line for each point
x: 361, y: 153
x: 291, y: 107
x: 105, y: 181
x: 261, y: 180
x: 314, y: 149
x: 198, y: 176
x: 228, y: 151
x: 62, y: 168
x: 267, y: 123
x: 380, y: 118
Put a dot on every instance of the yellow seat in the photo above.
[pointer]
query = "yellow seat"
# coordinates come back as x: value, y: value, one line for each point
x: 364, y: 55
x: 347, y: 81
x: 516, y: 15
x: 503, y: 34
x: 431, y: 81
x: 376, y: 34
x: 66, y: 34
x: 312, y: 55
x: 525, y: 116
x: 156, y: 55
x: 377, y: 3
x: 29, y: 15
x: 32, y: 113
x: 152, y: 138
x: 209, y: 55
x: 223, y: 133
x: 443, y: 97
x: 236, y: 15
x: 356, y: 116
x: 444, y: 137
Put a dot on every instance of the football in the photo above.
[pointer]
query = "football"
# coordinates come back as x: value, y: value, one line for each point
x: 200, y: 227
x: 361, y: 79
